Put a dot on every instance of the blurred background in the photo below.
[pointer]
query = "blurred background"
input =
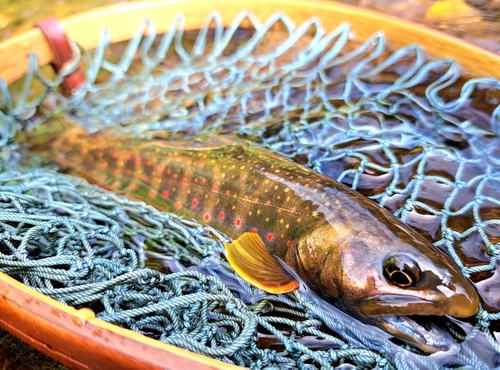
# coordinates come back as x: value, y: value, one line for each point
x: 476, y: 21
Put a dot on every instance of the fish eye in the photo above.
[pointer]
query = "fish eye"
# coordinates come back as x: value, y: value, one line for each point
x: 401, y: 270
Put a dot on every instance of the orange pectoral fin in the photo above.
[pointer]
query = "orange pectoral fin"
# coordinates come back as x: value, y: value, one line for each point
x: 252, y: 261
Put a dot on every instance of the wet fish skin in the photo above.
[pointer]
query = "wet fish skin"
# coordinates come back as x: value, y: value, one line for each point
x: 212, y: 184
x: 336, y: 240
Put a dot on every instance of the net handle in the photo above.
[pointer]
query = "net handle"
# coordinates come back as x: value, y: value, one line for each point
x: 85, y: 28
x: 56, y: 37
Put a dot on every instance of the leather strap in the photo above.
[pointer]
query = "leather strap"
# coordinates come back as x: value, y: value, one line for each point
x: 55, y: 35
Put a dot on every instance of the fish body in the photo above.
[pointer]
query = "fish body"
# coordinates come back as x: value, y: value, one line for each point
x: 348, y: 249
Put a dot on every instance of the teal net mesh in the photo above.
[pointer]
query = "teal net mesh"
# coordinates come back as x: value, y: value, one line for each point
x: 418, y: 136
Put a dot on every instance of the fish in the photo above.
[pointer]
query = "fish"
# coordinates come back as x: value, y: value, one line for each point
x: 289, y: 224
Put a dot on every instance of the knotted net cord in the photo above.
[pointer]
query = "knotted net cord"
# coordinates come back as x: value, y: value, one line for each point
x: 402, y: 130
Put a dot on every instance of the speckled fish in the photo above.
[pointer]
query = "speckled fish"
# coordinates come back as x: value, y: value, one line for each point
x: 346, y: 248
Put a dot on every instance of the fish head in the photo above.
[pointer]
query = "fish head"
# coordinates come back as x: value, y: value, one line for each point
x: 386, y: 277
x: 417, y: 283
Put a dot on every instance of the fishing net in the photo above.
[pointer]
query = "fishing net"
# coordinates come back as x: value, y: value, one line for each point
x: 420, y: 137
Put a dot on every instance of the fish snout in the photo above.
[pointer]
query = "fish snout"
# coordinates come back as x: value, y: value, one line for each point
x: 463, y: 300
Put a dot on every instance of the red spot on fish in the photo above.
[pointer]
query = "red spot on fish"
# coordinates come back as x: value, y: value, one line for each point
x: 203, y: 180
x: 222, y: 215
x: 195, y: 180
x: 194, y: 202
x: 105, y: 164
x: 114, y: 155
x: 175, y: 175
x: 100, y: 154
x: 161, y: 166
x: 184, y: 181
x: 254, y: 230
x: 228, y: 192
x: 128, y: 172
x: 138, y: 160
x: 116, y: 171
x: 215, y: 188
x: 293, y: 209
x: 289, y: 243
x: 268, y: 203
x: 164, y: 194
x: 238, y: 222
x: 85, y: 150
x: 280, y: 210
x: 152, y: 193
x: 168, y: 171
x: 128, y: 157
x: 104, y: 177
x: 145, y: 178
x: 270, y: 236
x: 207, y: 217
x: 245, y: 197
x: 132, y: 186
x: 148, y: 163
x: 177, y: 205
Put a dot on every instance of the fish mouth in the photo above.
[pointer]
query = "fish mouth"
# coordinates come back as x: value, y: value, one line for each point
x: 426, y: 333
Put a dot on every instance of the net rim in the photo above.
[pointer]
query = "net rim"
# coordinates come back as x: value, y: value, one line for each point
x: 85, y: 28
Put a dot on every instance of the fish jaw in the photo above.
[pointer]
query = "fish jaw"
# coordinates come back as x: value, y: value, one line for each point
x: 430, y: 338
x: 398, y: 313
x: 463, y: 304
